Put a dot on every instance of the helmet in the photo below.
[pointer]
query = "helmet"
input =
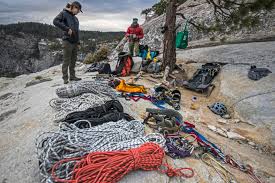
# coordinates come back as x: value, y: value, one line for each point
x: 218, y: 108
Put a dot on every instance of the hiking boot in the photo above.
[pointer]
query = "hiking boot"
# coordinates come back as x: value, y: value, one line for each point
x: 75, y: 79
x: 66, y: 82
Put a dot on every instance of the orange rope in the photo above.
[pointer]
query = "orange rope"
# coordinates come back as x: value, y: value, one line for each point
x: 110, y: 167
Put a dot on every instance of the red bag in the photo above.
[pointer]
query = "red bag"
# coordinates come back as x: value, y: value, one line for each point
x: 124, y: 65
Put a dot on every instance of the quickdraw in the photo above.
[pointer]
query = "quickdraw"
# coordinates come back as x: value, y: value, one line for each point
x: 244, y: 168
x: 217, y: 153
x: 225, y: 174
x: 190, y: 129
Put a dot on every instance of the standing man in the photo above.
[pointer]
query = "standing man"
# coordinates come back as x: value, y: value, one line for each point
x: 134, y: 35
x: 68, y: 23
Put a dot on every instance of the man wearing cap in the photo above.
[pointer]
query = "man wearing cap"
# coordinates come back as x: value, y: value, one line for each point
x: 68, y: 23
x: 134, y: 34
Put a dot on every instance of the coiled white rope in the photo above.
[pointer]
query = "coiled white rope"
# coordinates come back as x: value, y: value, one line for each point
x: 65, y: 106
x: 98, y: 87
x: 71, y: 141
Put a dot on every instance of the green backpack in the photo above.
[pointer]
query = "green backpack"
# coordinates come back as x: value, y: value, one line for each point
x: 182, y: 38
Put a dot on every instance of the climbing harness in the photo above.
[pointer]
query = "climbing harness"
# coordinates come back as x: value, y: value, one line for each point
x: 71, y: 141
x: 64, y: 106
x: 137, y: 96
x: 110, y: 111
x: 110, y: 167
x: 98, y: 87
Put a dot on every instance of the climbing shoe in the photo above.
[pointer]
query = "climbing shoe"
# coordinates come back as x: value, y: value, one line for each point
x: 75, y: 79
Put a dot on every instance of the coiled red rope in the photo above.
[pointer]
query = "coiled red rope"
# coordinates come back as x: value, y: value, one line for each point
x: 110, y: 167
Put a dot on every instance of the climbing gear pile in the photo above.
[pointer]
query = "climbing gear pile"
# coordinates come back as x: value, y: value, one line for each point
x: 258, y: 73
x: 65, y: 106
x: 110, y: 111
x: 71, y: 141
x: 110, y: 167
x: 126, y: 88
x: 150, y: 62
x: 202, y: 79
x: 165, y: 120
x: 216, y: 152
x: 98, y: 141
x: 97, y: 87
x: 171, y: 97
x: 178, y: 147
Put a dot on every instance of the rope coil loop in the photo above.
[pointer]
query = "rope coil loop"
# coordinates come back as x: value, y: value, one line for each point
x: 71, y: 141
x: 110, y: 167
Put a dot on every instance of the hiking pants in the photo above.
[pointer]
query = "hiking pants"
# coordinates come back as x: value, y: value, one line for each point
x: 134, y: 48
x: 69, y: 56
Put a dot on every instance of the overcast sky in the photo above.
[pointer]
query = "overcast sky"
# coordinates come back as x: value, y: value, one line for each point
x: 102, y: 15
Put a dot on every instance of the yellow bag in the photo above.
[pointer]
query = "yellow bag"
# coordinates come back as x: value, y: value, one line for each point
x: 123, y: 87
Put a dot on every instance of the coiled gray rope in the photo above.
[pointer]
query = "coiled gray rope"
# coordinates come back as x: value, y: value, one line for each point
x: 65, y: 106
x: 98, y: 87
x: 71, y: 141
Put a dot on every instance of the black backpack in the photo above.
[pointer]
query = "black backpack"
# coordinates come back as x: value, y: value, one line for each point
x: 105, y: 68
x: 101, y: 68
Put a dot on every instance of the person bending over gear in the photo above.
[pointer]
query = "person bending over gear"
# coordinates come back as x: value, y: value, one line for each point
x: 134, y: 34
x: 67, y: 21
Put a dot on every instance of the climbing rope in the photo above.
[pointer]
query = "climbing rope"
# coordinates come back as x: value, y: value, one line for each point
x: 110, y: 111
x: 64, y: 106
x: 99, y: 87
x: 70, y: 142
x: 110, y: 167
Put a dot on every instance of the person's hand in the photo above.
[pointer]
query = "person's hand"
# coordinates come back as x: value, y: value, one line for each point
x: 70, y: 32
x: 78, y: 46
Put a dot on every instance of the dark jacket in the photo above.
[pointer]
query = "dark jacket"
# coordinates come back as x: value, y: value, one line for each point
x: 65, y: 20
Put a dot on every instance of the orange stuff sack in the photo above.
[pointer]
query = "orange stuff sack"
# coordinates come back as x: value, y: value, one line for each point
x: 123, y: 87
